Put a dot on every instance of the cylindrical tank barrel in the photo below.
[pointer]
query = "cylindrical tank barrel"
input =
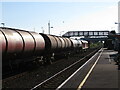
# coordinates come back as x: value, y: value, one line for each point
x: 29, y: 42
x: 59, y: 43
x: 2, y: 42
x: 50, y: 42
x: 66, y: 42
x: 14, y: 42
x: 39, y: 42
x: 69, y: 43
x: 19, y: 42
x: 75, y: 43
x: 63, y: 42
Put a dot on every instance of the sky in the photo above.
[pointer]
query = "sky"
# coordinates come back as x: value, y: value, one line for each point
x: 63, y: 16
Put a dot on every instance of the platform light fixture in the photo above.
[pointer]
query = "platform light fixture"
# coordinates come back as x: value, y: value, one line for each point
x: 49, y: 27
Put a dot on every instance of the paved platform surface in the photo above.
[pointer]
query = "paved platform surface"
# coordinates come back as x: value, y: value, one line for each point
x: 105, y: 74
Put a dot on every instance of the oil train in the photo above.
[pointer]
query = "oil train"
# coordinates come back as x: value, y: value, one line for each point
x: 20, y: 46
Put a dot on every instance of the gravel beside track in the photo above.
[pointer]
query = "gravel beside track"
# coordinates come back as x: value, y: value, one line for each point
x: 33, y: 77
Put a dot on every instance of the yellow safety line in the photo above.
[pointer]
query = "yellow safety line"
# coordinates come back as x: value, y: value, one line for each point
x: 84, y: 80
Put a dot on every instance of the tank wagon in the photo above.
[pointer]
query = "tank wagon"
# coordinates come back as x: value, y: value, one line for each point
x: 20, y: 46
x: 84, y: 44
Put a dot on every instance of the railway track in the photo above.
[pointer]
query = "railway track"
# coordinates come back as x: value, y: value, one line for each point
x: 57, y: 72
x: 55, y: 80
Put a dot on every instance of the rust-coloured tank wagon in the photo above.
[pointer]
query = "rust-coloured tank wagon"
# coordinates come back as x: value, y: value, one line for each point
x: 19, y: 44
x: 24, y: 45
x: 84, y: 44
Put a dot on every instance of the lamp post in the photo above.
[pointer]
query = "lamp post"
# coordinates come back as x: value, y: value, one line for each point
x: 61, y: 31
x: 118, y: 26
x: 49, y: 27
x: 42, y: 29
x: 34, y: 29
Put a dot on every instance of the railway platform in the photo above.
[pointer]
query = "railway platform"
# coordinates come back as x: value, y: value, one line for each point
x: 100, y: 72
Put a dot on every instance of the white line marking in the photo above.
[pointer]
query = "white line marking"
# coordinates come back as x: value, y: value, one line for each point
x: 77, y: 71
x: 58, y: 73
x: 88, y: 74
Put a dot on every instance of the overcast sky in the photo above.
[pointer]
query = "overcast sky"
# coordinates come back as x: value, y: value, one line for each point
x: 63, y: 16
